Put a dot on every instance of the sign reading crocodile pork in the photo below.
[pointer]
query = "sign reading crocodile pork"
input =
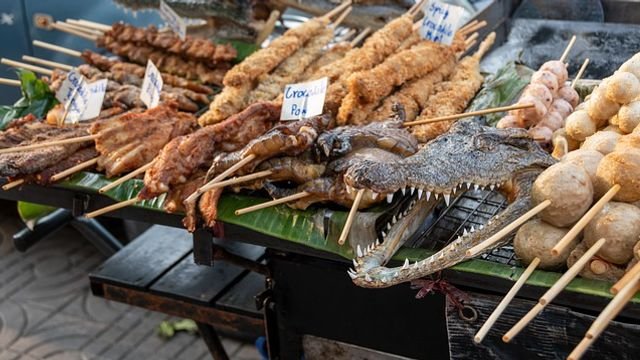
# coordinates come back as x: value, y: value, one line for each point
x: 304, y: 100
x: 82, y: 101
x: 440, y: 22
x: 151, y: 86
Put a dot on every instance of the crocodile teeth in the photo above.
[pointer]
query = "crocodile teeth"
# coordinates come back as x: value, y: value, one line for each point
x: 374, y: 195
x: 384, y: 280
x: 368, y: 248
x: 394, y: 219
x: 497, y: 186
x: 389, y: 198
x: 492, y: 187
x: 351, y: 274
x: 447, y: 198
x: 355, y: 263
x: 428, y: 195
x: 436, y: 196
x: 378, y: 242
x: 464, y: 232
x: 404, y: 191
x: 413, y: 189
x: 388, y: 226
x: 384, y: 234
x: 453, y: 191
x: 468, y: 185
x: 420, y: 194
x: 481, y: 227
x: 406, y: 264
x: 367, y: 277
x: 473, y: 229
x: 416, y: 265
x: 475, y: 187
x: 359, y: 251
x: 349, y: 189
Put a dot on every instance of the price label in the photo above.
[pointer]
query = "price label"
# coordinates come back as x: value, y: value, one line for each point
x: 74, y: 94
x: 440, y: 22
x: 151, y: 86
x: 97, y: 89
x: 173, y: 20
x: 304, y: 100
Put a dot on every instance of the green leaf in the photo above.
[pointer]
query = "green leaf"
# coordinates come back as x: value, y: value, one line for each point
x: 36, y: 99
x: 30, y: 213
x: 244, y: 49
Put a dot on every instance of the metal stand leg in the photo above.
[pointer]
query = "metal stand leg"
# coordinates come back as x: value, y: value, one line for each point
x: 96, y: 234
x: 210, y: 337
x: 47, y: 225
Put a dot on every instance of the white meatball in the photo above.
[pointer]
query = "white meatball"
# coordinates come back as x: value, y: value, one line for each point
x: 553, y: 120
x: 600, y: 108
x: 547, y: 79
x: 622, y: 87
x: 579, y: 125
x: 632, y: 66
x: 530, y: 116
x: 629, y: 116
x: 509, y: 121
x: 602, y: 141
x: 540, y: 92
x: 558, y: 68
x: 562, y: 107
x: 570, y: 95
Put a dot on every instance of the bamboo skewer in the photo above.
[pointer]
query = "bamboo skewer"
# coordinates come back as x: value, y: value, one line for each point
x: 505, y: 301
x: 53, y: 64
x: 470, y: 113
x: 94, y: 25
x: 74, y: 169
x: 469, y: 24
x: 473, y: 28
x: 81, y: 28
x: 123, y: 179
x: 271, y: 203
x: 10, y: 82
x: 607, y: 315
x: 565, y: 54
x: 12, y: 184
x: 580, y: 225
x: 268, y: 27
x: 346, y: 36
x: 476, y: 250
x: 111, y: 208
x: 553, y: 291
x: 64, y: 28
x: 351, y: 217
x: 208, y: 186
x: 415, y: 9
x: 336, y: 10
x: 18, y: 64
x: 469, y: 46
x: 341, y: 18
x: 57, y: 48
x: 48, y: 143
x: 580, y: 72
x: 628, y: 276
x: 241, y: 179
x: 360, y: 36
x: 471, y: 39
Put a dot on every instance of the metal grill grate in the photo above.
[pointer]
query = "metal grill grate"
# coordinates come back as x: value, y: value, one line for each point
x: 472, y: 208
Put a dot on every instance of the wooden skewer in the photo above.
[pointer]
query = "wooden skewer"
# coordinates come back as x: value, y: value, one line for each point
x: 471, y: 113
x: 474, y: 251
x: 580, y: 72
x: 361, y: 36
x: 351, y: 217
x: 12, y: 184
x: 53, y: 64
x: 74, y: 169
x: 470, y: 23
x: 505, y: 301
x: 111, y: 208
x: 341, y: 18
x: 472, y: 38
x: 336, y: 10
x: 18, y: 64
x: 81, y: 28
x: 57, y: 48
x: 565, y: 54
x: 469, y: 46
x: 580, y: 225
x: 64, y: 28
x: 580, y: 349
x: 415, y: 9
x: 348, y: 35
x: 628, y: 276
x: 95, y: 25
x: 123, y: 179
x: 208, y: 186
x: 10, y: 82
x: 241, y: 179
x: 271, y: 203
x: 553, y: 291
x: 48, y: 143
x: 473, y: 28
x: 268, y: 27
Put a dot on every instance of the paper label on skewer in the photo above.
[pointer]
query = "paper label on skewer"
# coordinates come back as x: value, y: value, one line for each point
x: 74, y: 94
x: 97, y: 89
x: 173, y: 20
x: 304, y: 100
x: 151, y: 86
x: 440, y: 22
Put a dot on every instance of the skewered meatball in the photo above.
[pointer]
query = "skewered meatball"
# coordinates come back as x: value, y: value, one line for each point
x: 613, y: 128
x: 570, y: 95
x: 619, y: 223
x: 553, y: 120
x: 628, y: 142
x: 600, y: 108
x: 541, y: 134
x: 530, y: 116
x: 579, y: 125
x: 596, y: 268
x: 558, y: 68
x: 629, y: 116
x: 569, y: 188
x: 623, y: 168
x: 510, y: 121
x: 547, y: 79
x: 622, y: 87
x: 562, y: 107
x: 540, y: 92
x: 602, y: 141
x: 587, y: 159
x: 536, y: 238
x: 632, y: 66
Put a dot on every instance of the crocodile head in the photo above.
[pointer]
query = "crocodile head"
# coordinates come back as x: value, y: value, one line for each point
x: 469, y: 155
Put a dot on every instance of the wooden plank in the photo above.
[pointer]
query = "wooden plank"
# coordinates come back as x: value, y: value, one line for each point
x: 146, y: 258
x: 223, y: 321
x: 551, y: 335
x: 241, y: 296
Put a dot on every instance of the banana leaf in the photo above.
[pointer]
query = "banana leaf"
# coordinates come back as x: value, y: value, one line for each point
x: 243, y: 48
x: 36, y: 99
x: 30, y: 213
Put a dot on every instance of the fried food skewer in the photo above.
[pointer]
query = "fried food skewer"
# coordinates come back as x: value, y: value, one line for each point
x: 352, y: 215
x: 48, y: 143
x: 74, y: 169
x: 12, y: 184
x: 363, y: 34
x: 110, y: 208
x: 626, y: 278
x: 271, y: 203
x: 123, y: 179
x: 208, y: 186
x: 469, y: 114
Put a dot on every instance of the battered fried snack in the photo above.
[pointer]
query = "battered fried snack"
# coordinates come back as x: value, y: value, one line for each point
x: 231, y: 100
x: 330, y: 56
x: 265, y: 60
x: 454, y: 95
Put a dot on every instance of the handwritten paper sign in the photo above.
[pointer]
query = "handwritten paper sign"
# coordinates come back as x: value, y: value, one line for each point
x: 173, y: 20
x: 97, y: 89
x: 304, y: 100
x: 74, y: 94
x: 440, y: 22
x: 151, y: 86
